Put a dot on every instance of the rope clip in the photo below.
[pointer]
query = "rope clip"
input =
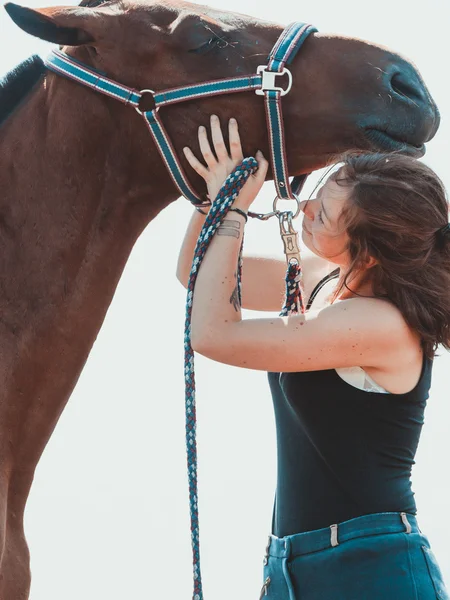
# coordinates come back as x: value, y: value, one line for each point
x: 290, y: 237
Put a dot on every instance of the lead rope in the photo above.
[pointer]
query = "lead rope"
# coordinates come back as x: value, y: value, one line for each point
x: 293, y: 304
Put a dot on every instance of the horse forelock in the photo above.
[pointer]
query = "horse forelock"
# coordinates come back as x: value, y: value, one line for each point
x: 14, y: 87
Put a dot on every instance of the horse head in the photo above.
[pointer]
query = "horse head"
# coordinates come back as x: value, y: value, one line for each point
x: 346, y: 94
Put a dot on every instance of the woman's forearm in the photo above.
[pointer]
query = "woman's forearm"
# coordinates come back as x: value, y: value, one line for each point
x: 188, y: 246
x: 216, y: 303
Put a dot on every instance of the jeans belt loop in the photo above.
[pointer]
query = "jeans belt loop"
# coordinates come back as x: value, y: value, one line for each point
x: 334, y: 535
x: 287, y: 548
x: 266, y: 556
x: 406, y: 522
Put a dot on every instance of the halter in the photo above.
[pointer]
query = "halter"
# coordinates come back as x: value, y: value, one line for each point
x: 263, y: 83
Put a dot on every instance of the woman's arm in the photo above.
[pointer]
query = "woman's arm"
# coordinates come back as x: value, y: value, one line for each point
x: 339, y: 335
x: 263, y: 284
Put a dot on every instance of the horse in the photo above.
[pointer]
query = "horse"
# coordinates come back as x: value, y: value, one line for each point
x: 81, y: 178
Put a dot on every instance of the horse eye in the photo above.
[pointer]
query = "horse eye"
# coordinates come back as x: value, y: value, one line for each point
x: 206, y: 47
x: 93, y: 3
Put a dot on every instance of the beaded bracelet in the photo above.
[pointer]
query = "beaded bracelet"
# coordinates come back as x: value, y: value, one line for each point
x: 241, y: 212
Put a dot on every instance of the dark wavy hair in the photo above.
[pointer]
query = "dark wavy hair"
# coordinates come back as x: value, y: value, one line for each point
x: 396, y: 209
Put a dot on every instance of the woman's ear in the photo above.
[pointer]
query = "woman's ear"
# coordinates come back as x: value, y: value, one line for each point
x: 63, y: 25
x: 371, y: 262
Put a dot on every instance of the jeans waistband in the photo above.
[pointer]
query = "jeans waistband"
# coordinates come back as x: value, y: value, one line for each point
x: 320, y: 539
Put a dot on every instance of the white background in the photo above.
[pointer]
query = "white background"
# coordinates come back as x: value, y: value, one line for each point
x: 108, y: 515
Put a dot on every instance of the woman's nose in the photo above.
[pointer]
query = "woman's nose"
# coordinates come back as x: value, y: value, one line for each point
x: 307, y: 208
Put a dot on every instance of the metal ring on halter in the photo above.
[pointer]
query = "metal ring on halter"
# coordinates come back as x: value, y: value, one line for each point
x: 298, y: 206
x: 152, y: 92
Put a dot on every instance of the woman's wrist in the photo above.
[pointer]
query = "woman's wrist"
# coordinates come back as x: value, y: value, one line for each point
x: 235, y: 216
x: 239, y: 211
x: 203, y: 211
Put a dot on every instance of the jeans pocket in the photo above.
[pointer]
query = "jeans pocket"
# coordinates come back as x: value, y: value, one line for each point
x: 435, y: 574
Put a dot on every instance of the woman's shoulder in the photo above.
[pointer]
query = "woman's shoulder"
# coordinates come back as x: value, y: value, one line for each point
x: 399, y: 368
x: 380, y: 311
x: 377, y: 315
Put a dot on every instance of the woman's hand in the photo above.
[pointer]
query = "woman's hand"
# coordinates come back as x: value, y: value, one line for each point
x: 218, y: 169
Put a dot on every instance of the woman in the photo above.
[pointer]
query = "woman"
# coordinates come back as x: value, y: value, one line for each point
x: 349, y: 378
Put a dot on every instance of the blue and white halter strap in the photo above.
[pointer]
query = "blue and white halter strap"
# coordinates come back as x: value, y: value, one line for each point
x: 263, y: 82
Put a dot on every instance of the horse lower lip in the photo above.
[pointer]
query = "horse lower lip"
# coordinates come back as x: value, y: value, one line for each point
x: 386, y: 142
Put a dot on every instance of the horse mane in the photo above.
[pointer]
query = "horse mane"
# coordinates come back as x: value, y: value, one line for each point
x: 17, y: 83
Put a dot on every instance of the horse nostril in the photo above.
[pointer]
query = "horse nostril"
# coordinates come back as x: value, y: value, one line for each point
x: 406, y: 86
x: 414, y: 117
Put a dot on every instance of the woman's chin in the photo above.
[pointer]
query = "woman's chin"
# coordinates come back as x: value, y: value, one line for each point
x: 306, y: 237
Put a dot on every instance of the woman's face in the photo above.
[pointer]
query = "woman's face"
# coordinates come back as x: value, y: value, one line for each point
x: 321, y: 232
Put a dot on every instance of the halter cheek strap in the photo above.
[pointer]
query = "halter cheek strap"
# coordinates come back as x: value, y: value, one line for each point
x: 263, y: 83
x: 159, y: 133
x: 283, y: 53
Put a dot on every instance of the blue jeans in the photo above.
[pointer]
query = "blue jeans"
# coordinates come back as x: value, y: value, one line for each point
x: 380, y: 556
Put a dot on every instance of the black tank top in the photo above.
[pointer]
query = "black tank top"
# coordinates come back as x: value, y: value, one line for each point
x: 342, y: 452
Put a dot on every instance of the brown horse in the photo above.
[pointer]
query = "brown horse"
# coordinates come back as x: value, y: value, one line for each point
x: 81, y: 178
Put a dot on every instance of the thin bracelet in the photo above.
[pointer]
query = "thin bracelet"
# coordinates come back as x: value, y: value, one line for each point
x: 200, y: 211
x: 240, y: 212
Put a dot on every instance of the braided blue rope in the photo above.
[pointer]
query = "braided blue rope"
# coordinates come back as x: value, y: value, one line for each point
x: 220, y: 207
x: 225, y: 198
x: 293, y: 303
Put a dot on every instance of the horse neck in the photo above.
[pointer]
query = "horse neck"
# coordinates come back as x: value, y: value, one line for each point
x: 76, y: 194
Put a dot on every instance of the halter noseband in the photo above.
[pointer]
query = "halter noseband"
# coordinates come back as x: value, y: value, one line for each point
x: 263, y: 82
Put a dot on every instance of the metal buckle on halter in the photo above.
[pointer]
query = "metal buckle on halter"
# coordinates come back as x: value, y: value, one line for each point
x: 290, y: 237
x: 268, y: 80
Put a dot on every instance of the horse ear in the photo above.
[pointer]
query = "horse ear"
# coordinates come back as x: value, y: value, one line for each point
x: 63, y: 25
